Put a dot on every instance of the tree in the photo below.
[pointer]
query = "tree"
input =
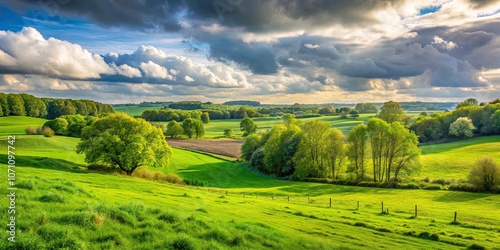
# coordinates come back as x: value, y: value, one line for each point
x: 228, y: 133
x: 16, y: 104
x: 327, y: 110
x: 205, y: 118
x: 335, y: 151
x: 58, y: 125
x: 495, y: 119
x: 280, y: 147
x: 248, y: 126
x: 289, y: 119
x: 4, y: 104
x: 391, y: 112
x: 119, y: 140
x: 174, y: 129
x: 354, y: 113
x: 252, y: 142
x: 468, y: 102
x: 357, y: 150
x: 485, y: 174
x: 462, y: 127
x: 311, y: 155
x: 193, y: 127
x: 378, y: 131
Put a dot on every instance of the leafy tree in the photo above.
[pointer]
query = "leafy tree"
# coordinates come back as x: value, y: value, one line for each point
x: 403, y: 153
x: 174, y: 129
x: 357, y: 150
x: 485, y: 174
x: 34, y: 107
x: 391, y: 112
x: 289, y: 119
x: 354, y: 113
x: 121, y: 141
x: 205, y: 118
x: 193, y: 127
x: 252, y: 142
x: 4, y: 104
x: 462, y: 127
x: 335, y: 150
x: 228, y: 133
x: 378, y: 131
x: 16, y: 104
x: 428, y: 129
x: 58, y: 125
x: 495, y: 119
x: 327, y: 110
x: 248, y: 126
x: 311, y: 155
x: 75, y: 124
x: 468, y: 102
x: 496, y: 101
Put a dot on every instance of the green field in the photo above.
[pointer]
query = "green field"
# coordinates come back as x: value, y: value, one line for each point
x: 134, y: 110
x: 61, y: 205
x: 16, y: 124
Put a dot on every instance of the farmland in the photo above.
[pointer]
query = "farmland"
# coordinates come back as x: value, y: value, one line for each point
x: 64, y: 205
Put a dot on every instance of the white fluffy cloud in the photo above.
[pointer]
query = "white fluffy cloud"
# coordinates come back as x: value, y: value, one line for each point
x: 27, y: 52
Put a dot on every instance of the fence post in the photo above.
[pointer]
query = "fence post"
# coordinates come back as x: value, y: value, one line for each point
x: 288, y: 198
x: 330, y: 202
x: 357, y: 206
x: 455, y: 218
x: 382, y: 207
x: 416, y: 211
x: 273, y: 196
x: 226, y: 192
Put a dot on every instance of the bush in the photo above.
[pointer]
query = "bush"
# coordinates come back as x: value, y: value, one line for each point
x: 30, y: 130
x: 411, y: 185
x: 157, y: 176
x: 441, y: 181
x: 485, y: 174
x: 476, y: 247
x: 48, y: 132
x: 467, y: 187
x: 39, y: 131
x: 433, y: 187
x: 100, y: 168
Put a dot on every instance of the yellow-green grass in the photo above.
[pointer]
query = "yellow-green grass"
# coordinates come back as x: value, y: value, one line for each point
x: 455, y: 159
x: 216, y: 127
x: 110, y: 211
x: 15, y: 125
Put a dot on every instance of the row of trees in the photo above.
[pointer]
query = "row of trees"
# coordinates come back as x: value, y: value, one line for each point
x: 25, y: 104
x: 314, y: 150
x: 485, y: 119
x: 190, y: 127
x: 69, y: 125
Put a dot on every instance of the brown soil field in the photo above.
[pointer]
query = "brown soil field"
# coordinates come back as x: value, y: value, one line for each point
x: 231, y: 148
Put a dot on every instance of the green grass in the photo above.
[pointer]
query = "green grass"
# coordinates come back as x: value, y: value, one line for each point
x: 455, y: 159
x: 15, y: 125
x: 60, y: 205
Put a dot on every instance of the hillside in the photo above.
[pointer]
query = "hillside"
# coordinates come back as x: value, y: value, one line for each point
x: 63, y: 205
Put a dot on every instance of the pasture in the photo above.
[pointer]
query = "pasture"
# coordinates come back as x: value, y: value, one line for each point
x: 61, y: 204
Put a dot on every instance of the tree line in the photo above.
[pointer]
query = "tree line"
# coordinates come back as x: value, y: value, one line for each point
x: 29, y: 105
x: 485, y: 120
x: 314, y: 150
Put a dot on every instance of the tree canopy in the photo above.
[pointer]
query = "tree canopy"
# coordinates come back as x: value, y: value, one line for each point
x: 391, y: 112
x: 248, y: 126
x: 121, y: 141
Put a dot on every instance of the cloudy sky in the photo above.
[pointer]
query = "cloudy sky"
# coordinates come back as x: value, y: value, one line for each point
x: 272, y: 51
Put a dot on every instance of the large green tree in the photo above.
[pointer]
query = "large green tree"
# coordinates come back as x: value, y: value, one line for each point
x: 311, y: 154
x: 122, y: 141
x: 193, y: 127
x: 462, y: 127
x: 391, y: 112
x: 335, y: 151
x: 174, y: 129
x: 357, y: 150
x: 248, y: 126
x: 16, y: 104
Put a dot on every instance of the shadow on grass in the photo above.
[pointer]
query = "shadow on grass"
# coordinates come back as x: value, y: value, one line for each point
x: 458, y: 196
x: 46, y: 163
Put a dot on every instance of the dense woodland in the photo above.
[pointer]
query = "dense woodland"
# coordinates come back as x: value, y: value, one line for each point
x: 25, y: 104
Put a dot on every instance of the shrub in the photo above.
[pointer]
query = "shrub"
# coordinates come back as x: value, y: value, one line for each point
x: 411, y: 185
x: 368, y: 184
x: 157, y: 176
x: 485, y: 174
x: 467, y: 187
x: 169, y: 217
x: 476, y: 247
x: 30, y: 130
x: 433, y: 187
x: 48, y: 132
x: 183, y: 243
x: 39, y: 131
x: 26, y: 185
x: 99, y: 168
x: 441, y: 181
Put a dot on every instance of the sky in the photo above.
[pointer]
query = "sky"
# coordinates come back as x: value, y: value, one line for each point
x: 272, y: 51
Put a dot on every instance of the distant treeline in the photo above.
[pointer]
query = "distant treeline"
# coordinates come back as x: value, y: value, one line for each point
x: 25, y: 104
x: 192, y: 109
x: 486, y: 120
x: 247, y: 103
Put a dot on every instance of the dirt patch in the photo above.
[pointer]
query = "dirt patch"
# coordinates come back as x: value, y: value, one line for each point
x: 231, y: 148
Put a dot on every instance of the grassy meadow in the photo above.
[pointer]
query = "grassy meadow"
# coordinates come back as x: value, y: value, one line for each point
x: 62, y: 205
